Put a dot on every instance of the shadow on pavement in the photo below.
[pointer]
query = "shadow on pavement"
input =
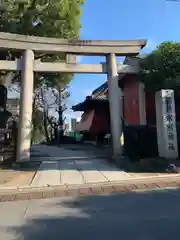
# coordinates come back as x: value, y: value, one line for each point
x: 151, y: 215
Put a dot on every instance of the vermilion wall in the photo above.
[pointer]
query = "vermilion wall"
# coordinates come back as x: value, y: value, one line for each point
x: 131, y: 109
x: 100, y: 122
x: 131, y: 100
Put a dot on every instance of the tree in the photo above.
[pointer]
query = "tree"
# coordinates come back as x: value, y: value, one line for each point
x: 46, y: 102
x: 47, y: 18
x: 50, y: 18
x: 161, y: 68
x: 61, y: 94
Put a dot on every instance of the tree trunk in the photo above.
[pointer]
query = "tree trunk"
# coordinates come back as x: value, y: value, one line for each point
x: 32, y: 135
x: 60, y: 120
x: 45, y: 116
x: 45, y: 125
x: 51, y: 128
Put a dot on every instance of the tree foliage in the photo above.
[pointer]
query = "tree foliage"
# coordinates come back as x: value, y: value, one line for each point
x: 45, y: 18
x: 46, y: 101
x: 161, y: 68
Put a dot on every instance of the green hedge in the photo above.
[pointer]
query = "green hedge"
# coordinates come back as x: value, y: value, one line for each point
x: 140, y: 142
x: 75, y: 135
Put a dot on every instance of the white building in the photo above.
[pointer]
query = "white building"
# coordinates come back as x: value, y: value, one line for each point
x: 73, y: 124
x: 13, y: 106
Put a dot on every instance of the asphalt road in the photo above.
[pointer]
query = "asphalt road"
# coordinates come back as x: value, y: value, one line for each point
x: 153, y: 215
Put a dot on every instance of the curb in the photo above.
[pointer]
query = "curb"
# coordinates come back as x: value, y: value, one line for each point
x: 86, y: 190
x: 67, y: 158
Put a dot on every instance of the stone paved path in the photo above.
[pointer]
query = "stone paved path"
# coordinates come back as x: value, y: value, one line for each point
x: 77, y: 171
x: 67, y: 151
x: 66, y: 166
x: 138, y: 216
x: 74, y: 164
x: 78, y: 164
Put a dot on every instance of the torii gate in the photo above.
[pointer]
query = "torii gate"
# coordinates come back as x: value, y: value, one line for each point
x: 27, y: 65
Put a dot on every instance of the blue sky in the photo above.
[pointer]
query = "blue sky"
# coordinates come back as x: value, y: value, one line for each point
x: 154, y: 20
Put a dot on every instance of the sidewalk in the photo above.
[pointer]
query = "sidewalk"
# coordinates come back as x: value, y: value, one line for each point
x: 71, y: 172
x: 64, y: 172
x: 70, y: 167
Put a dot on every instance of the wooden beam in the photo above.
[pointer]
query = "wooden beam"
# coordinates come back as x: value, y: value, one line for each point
x: 68, y: 68
x: 65, y: 67
x: 80, y: 47
x: 6, y: 65
x: 79, y: 68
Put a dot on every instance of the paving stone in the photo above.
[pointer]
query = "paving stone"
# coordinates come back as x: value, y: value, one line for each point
x: 36, y: 195
x: 70, y: 174
x: 172, y: 184
x: 119, y: 188
x: 22, y: 196
x: 108, y: 189
x: 131, y: 187
x: 60, y: 193
x: 7, y: 176
x: 7, y: 197
x: 112, y: 172
x: 161, y: 184
x: 85, y: 191
x: 151, y: 185
x: 48, y: 194
x: 141, y: 186
x: 23, y: 179
x: 72, y: 192
x: 97, y: 190
x: 47, y: 175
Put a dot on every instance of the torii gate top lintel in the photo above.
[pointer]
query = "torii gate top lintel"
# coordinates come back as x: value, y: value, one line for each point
x: 77, y: 47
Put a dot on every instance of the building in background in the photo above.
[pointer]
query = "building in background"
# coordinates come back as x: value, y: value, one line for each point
x: 138, y: 106
x: 73, y: 124
x: 66, y: 127
x: 77, y: 125
x: 13, y: 106
x: 95, y: 119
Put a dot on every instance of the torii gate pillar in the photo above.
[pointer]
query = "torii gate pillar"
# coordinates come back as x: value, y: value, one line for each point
x: 26, y: 102
x: 114, y: 94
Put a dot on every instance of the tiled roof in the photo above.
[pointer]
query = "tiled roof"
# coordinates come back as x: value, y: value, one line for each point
x: 101, y: 97
x: 100, y: 91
